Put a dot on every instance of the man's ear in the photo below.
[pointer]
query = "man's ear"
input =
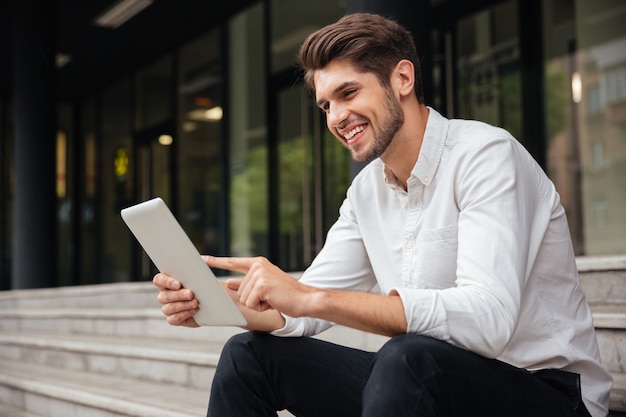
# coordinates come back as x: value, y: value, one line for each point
x: 403, y: 77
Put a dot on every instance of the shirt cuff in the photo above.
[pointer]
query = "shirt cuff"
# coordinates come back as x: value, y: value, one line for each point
x: 424, y: 312
x: 292, y: 328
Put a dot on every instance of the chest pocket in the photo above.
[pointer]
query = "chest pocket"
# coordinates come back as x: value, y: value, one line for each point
x: 435, y: 257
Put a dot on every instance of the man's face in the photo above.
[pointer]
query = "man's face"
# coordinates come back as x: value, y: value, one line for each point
x: 364, y: 115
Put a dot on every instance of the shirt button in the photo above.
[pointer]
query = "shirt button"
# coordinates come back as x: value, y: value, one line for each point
x: 409, y: 245
x: 404, y: 204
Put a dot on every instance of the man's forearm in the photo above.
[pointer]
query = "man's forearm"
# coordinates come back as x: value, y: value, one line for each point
x: 373, y: 313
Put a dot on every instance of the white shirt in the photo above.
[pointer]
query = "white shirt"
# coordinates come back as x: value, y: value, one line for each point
x: 478, y: 249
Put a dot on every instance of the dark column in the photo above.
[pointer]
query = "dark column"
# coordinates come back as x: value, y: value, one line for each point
x: 34, y: 200
x: 533, y: 85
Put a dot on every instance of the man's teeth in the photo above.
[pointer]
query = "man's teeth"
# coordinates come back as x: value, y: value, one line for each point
x: 353, y: 132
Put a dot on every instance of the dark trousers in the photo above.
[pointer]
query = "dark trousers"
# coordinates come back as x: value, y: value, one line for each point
x: 411, y: 375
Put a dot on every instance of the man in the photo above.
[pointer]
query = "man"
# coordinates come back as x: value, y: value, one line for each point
x: 466, y: 239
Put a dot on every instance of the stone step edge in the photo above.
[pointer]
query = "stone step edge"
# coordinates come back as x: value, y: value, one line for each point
x: 79, y: 290
x: 101, y: 347
x: 601, y: 263
x: 609, y: 316
x: 61, y: 391
x: 7, y: 410
x: 84, y: 313
x: 617, y: 400
x: 102, y: 402
x: 614, y: 321
x: 615, y: 310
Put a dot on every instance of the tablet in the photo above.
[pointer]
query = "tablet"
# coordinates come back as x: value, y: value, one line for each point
x: 173, y: 253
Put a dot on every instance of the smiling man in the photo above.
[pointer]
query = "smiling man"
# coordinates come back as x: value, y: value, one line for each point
x: 459, y: 229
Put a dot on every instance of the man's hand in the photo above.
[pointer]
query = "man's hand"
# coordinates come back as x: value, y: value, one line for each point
x: 178, y: 304
x: 264, y: 286
x: 267, y: 290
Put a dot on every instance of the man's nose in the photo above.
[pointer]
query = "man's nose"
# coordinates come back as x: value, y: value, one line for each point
x: 337, y: 116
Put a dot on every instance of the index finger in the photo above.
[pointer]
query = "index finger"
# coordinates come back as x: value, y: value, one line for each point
x: 241, y: 265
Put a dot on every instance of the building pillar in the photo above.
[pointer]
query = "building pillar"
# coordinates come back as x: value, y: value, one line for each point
x: 34, y: 243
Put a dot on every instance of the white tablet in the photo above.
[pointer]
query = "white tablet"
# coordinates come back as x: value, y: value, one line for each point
x: 173, y: 253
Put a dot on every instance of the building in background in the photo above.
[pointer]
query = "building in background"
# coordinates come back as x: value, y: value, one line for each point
x: 201, y: 105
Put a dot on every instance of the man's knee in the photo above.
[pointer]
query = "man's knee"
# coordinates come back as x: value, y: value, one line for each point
x: 241, y: 345
x: 411, y: 347
x: 406, y: 375
x: 415, y: 357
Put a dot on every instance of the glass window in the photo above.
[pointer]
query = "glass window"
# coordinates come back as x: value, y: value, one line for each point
x: 153, y: 94
x: 313, y: 169
x: 294, y: 20
x: 489, y: 79
x: 335, y: 175
x: 296, y: 187
x: 248, y: 156
x: 585, y: 57
x: 313, y: 176
x: 199, y: 143
x: 116, y: 179
x: 87, y: 247
x: 65, y: 193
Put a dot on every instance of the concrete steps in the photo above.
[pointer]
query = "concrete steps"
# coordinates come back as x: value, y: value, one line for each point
x: 9, y: 411
x: 604, y: 281
x: 106, y: 350
x: 102, y: 351
x: 189, y: 363
x: 52, y: 391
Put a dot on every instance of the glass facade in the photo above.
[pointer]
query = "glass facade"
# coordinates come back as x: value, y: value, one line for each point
x: 585, y: 64
x: 65, y: 175
x: 87, y: 242
x: 115, y: 157
x: 488, y: 68
x: 304, y: 153
x: 246, y: 169
x: 222, y: 128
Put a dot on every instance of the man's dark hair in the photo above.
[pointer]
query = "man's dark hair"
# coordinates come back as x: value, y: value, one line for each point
x: 370, y: 42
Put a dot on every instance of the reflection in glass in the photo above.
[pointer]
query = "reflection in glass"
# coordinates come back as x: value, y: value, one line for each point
x: 292, y: 21
x: 116, y: 146
x: 199, y: 143
x: 489, y: 82
x: 586, y: 117
x: 89, y: 268
x: 247, y: 169
x: 153, y: 86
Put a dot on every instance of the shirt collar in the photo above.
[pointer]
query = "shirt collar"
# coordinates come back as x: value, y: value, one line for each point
x: 430, y: 152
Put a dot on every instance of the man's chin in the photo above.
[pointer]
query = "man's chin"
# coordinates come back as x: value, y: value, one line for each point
x: 361, y: 157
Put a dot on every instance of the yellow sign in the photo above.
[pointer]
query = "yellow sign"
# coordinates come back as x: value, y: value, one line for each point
x: 120, y: 163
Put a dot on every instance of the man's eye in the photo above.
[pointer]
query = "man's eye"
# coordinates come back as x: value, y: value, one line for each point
x: 349, y: 93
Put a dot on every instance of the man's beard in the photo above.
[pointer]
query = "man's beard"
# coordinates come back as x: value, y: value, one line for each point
x: 388, y: 129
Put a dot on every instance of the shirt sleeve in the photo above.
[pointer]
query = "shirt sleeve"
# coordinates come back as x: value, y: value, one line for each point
x: 342, y: 264
x: 502, y: 217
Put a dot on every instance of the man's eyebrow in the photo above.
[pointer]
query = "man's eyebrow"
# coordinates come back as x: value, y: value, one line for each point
x: 336, y: 91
